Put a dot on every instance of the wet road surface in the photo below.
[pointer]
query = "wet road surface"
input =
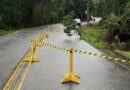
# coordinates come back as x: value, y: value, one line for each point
x: 95, y: 73
x: 12, y: 49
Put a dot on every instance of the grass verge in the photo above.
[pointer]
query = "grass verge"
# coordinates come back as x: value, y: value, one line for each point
x: 93, y: 35
x: 127, y: 53
x: 5, y: 32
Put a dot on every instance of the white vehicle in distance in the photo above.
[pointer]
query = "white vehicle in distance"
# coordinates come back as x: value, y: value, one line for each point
x: 77, y: 22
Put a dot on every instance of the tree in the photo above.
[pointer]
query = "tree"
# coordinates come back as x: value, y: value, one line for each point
x: 79, y: 7
x: 126, y: 18
x: 106, y: 7
x: 69, y: 23
x: 111, y: 23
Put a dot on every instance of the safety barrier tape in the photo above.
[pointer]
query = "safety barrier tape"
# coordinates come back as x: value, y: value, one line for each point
x: 54, y: 46
x: 87, y: 52
x: 101, y: 55
x: 32, y: 57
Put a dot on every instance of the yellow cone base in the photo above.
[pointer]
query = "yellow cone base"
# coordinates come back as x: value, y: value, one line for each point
x: 70, y: 77
x: 32, y: 59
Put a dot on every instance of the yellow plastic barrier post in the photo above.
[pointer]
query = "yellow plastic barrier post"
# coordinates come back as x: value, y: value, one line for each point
x: 70, y: 76
x: 45, y: 36
x: 39, y: 40
x: 32, y: 56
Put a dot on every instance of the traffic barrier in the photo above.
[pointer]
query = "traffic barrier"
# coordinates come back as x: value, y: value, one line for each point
x: 38, y: 44
x: 103, y: 56
x: 46, y: 35
x: 28, y: 58
x: 70, y: 76
x: 87, y: 53
x: 32, y: 57
x: 40, y: 39
x: 54, y: 46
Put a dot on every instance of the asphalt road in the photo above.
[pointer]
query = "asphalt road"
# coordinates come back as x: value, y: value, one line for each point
x: 95, y: 73
x: 12, y: 49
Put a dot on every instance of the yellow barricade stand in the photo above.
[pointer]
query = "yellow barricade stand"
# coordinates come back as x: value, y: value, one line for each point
x: 32, y: 56
x: 70, y: 76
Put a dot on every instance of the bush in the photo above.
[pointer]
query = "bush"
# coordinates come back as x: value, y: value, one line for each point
x: 69, y: 22
x: 112, y: 24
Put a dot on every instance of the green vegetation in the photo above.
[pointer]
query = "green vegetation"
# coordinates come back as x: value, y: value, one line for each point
x: 27, y: 13
x: 117, y: 17
x: 68, y: 22
x: 93, y: 36
x: 126, y: 53
x: 111, y: 23
x: 106, y: 7
x: 116, y: 20
x: 4, y: 32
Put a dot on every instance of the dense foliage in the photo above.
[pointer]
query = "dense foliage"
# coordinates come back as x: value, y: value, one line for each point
x: 116, y: 21
x: 117, y: 18
x: 25, y: 13
x: 68, y: 22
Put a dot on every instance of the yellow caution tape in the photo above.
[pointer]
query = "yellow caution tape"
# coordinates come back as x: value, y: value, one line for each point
x: 86, y: 52
x: 101, y: 55
x: 54, y: 46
